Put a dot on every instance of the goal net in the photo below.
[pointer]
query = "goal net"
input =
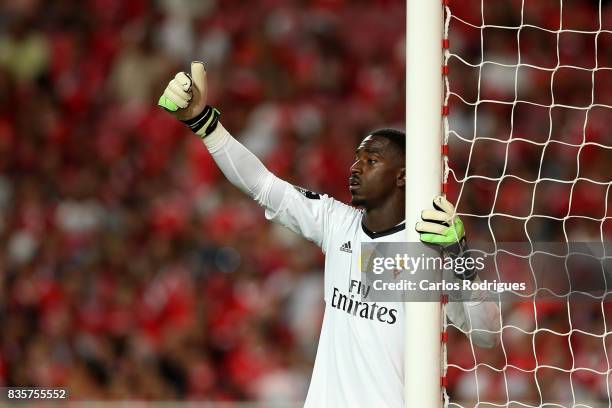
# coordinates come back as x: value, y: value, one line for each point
x: 528, y: 130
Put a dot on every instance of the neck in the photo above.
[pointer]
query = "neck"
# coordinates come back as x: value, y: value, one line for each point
x: 385, y: 216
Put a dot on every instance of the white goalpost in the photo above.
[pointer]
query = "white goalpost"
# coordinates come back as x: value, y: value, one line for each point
x: 424, y: 96
x: 528, y: 87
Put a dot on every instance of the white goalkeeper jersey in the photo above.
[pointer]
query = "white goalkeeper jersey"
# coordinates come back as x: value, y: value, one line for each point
x: 360, y: 357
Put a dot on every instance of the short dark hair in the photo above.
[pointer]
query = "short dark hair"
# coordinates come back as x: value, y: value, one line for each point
x: 397, y: 137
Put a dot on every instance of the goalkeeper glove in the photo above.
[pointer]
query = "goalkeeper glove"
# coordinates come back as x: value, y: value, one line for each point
x: 442, y: 228
x: 185, y: 98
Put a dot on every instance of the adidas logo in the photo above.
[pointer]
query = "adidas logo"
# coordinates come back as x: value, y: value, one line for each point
x: 346, y: 247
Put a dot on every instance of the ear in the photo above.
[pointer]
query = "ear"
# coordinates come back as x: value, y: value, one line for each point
x: 401, y: 178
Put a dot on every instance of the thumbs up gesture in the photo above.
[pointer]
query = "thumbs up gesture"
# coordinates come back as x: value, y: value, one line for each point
x: 185, y: 96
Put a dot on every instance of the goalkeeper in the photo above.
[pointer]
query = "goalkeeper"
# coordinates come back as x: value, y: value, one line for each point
x: 360, y: 355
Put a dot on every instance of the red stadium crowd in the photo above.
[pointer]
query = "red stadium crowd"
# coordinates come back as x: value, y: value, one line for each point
x: 130, y: 269
x: 530, y: 153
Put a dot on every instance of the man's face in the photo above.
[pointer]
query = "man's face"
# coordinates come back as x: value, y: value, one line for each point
x: 377, y: 173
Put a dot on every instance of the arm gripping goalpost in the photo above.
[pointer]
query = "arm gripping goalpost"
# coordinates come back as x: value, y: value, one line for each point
x: 424, y: 98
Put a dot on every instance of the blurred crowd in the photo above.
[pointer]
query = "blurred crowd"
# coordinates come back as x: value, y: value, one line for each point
x: 530, y: 154
x: 535, y: 131
x: 129, y: 269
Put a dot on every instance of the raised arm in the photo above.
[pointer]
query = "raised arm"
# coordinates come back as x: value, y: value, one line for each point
x: 303, y: 212
x: 185, y: 98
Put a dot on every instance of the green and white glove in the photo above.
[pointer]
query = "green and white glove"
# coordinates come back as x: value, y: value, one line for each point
x: 441, y: 227
x: 185, y: 98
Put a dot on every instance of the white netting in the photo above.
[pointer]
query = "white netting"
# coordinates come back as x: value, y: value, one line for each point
x: 529, y: 88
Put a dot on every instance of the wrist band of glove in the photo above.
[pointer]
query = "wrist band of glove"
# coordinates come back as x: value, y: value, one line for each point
x: 204, y: 123
x: 458, y: 250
